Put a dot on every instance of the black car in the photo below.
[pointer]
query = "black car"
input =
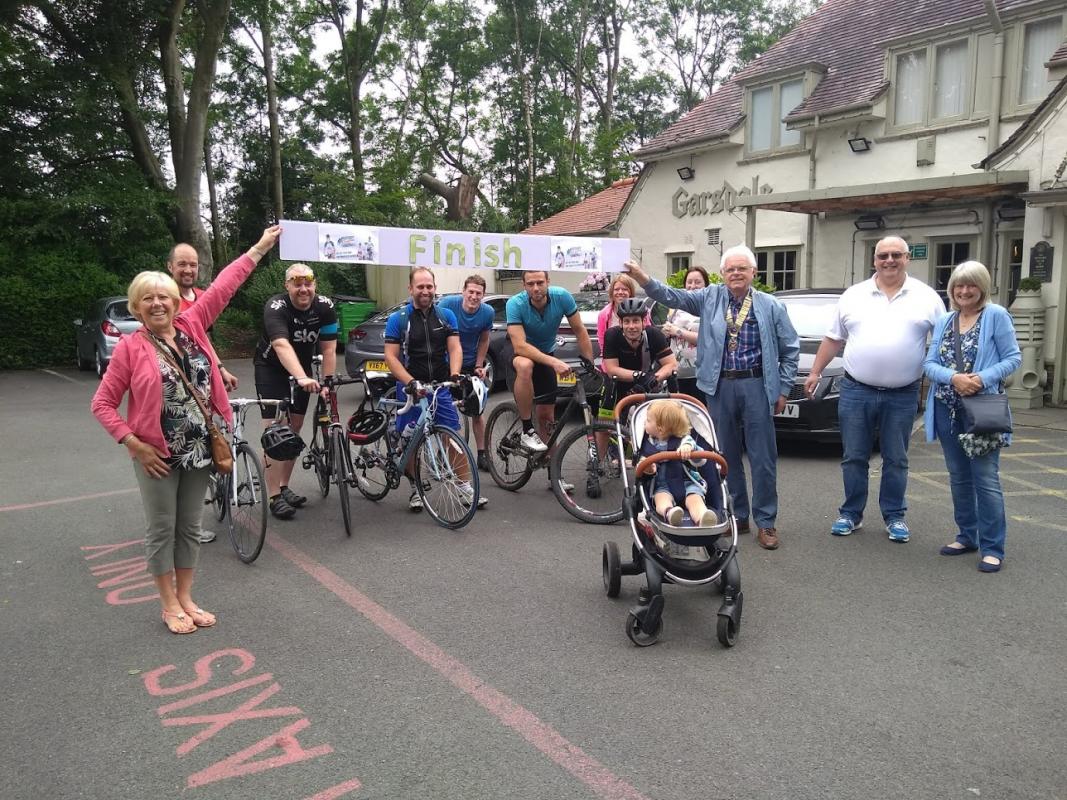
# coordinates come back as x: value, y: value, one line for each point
x: 811, y: 311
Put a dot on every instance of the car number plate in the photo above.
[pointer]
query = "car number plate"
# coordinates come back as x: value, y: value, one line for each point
x: 791, y: 411
x: 375, y: 366
x: 566, y: 380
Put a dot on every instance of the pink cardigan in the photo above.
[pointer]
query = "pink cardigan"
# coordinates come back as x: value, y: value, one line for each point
x: 134, y: 369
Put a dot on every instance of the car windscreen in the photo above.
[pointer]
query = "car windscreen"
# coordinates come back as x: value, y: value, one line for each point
x: 811, y: 316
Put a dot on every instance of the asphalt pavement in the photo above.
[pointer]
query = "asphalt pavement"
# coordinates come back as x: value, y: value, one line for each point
x: 414, y: 662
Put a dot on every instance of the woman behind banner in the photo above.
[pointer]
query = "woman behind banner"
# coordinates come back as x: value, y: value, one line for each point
x: 165, y: 431
x: 985, y: 337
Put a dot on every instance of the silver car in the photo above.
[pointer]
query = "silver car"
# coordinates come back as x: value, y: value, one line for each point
x: 98, y: 332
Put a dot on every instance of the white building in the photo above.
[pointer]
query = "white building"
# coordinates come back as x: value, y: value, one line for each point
x: 941, y: 121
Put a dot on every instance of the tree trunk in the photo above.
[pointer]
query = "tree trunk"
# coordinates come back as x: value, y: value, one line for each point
x: 460, y: 198
x: 272, y: 112
x: 217, y: 254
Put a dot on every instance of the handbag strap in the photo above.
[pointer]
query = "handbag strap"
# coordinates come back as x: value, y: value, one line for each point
x: 181, y: 374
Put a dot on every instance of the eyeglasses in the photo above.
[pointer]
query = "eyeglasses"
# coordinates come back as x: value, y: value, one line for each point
x: 896, y: 254
x: 735, y: 270
x: 302, y: 280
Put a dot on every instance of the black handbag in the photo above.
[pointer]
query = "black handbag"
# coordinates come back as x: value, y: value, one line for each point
x: 981, y: 413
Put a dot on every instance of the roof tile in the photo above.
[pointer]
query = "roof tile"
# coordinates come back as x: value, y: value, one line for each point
x: 593, y: 215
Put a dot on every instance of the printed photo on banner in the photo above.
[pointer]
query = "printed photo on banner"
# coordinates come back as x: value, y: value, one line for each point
x: 576, y: 254
x: 349, y: 243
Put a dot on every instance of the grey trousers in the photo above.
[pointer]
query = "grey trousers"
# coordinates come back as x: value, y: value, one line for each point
x: 172, y: 509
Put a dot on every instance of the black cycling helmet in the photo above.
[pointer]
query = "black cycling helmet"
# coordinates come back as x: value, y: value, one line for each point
x: 281, y: 442
x: 631, y: 307
x: 367, y: 427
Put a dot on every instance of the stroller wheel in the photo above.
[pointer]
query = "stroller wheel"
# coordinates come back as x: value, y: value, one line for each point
x: 727, y: 631
x: 638, y: 636
x: 612, y: 569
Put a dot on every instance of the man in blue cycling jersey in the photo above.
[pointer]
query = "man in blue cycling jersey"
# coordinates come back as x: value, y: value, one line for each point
x: 475, y: 320
x: 533, y: 317
x: 422, y: 346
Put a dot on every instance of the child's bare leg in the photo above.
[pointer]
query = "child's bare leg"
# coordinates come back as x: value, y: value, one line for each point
x: 664, y: 502
x: 695, y: 504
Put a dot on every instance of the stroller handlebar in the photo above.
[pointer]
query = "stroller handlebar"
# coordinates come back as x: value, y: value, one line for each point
x: 645, y: 463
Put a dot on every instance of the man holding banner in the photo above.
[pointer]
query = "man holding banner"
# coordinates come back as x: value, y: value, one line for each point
x: 533, y: 318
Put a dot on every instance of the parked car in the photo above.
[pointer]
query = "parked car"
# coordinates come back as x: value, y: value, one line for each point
x: 97, y: 333
x: 811, y: 312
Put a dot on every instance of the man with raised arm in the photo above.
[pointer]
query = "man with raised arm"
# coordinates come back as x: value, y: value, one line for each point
x: 422, y: 346
x: 883, y: 323
x: 533, y: 317
x: 296, y: 325
x: 747, y: 354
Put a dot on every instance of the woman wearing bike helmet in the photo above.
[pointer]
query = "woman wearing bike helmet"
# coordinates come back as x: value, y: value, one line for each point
x: 164, y: 430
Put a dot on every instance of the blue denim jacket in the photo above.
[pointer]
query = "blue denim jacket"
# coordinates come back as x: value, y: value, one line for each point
x: 998, y: 357
x: 779, y: 343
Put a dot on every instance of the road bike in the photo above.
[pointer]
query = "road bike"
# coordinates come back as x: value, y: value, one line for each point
x: 239, y: 498
x: 585, y: 481
x: 441, y: 461
x: 328, y: 454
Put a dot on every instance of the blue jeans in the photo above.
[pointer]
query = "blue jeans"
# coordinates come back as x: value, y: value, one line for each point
x: 865, y: 412
x: 977, y: 499
x: 741, y: 405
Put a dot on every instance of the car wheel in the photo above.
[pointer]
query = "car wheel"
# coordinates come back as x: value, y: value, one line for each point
x: 490, y: 372
x: 100, y: 364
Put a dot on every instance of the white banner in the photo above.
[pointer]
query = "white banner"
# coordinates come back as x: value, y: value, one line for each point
x: 410, y: 247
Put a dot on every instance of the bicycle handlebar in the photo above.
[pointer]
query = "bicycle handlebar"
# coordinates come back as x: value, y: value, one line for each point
x: 423, y: 390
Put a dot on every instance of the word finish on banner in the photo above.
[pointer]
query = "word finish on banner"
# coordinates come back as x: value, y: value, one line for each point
x: 410, y: 247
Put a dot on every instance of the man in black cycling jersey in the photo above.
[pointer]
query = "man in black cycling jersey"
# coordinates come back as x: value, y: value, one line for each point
x: 296, y: 324
x: 422, y: 346
x: 637, y: 357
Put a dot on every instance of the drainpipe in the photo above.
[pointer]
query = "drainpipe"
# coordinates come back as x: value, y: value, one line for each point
x: 996, y: 87
x: 809, y: 266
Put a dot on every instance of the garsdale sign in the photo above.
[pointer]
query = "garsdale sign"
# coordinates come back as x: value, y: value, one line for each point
x: 684, y: 204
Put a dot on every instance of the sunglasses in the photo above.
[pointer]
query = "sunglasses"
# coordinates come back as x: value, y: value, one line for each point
x: 302, y: 280
x: 896, y: 254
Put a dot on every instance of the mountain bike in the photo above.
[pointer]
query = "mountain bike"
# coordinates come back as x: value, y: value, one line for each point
x: 240, y: 497
x: 328, y: 453
x: 586, y: 482
x: 442, y: 463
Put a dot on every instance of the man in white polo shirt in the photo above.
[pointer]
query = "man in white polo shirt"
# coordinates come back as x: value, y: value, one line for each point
x: 883, y: 324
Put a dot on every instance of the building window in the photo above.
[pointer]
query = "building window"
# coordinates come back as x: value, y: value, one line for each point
x: 768, y: 106
x: 777, y: 268
x: 678, y: 262
x: 946, y: 256
x: 1040, y: 40
x: 930, y: 84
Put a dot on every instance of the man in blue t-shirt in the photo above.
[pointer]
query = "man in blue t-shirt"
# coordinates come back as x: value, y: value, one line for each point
x: 422, y: 346
x: 475, y: 320
x: 533, y: 319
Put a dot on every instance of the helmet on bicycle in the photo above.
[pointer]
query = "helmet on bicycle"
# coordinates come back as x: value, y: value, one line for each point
x: 475, y: 396
x: 366, y: 427
x: 281, y: 442
x: 631, y: 307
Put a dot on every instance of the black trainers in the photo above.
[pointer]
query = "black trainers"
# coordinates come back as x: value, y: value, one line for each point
x: 483, y: 461
x: 292, y: 498
x: 280, y: 508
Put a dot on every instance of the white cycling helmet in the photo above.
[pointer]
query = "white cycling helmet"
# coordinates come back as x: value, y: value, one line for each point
x: 474, y: 397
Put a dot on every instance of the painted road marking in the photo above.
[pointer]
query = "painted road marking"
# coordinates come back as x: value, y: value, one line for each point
x: 75, y: 499
x: 57, y: 375
x: 596, y: 777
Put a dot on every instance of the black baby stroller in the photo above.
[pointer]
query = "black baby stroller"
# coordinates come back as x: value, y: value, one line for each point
x: 686, y: 555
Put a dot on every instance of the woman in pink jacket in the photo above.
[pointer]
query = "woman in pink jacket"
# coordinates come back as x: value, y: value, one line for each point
x: 164, y: 431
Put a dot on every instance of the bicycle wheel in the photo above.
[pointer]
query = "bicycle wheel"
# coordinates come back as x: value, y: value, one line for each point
x: 341, y: 471
x: 369, y: 469
x: 509, y: 463
x: 438, y: 464
x: 248, y: 511
x: 218, y: 494
x: 596, y: 493
x: 319, y: 456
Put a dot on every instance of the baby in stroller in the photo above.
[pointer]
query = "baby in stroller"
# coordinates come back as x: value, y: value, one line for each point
x: 668, y: 430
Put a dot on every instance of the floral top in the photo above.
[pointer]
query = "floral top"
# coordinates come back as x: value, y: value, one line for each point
x: 973, y: 444
x: 184, y: 427
x: 683, y: 351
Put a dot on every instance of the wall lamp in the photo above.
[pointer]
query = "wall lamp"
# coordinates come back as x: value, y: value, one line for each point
x: 686, y: 173
x: 870, y: 222
x: 860, y: 144
x: 1011, y: 212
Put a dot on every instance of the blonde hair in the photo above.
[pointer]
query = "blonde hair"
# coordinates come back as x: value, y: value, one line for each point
x: 970, y: 273
x: 150, y: 279
x: 669, y: 416
x: 299, y: 270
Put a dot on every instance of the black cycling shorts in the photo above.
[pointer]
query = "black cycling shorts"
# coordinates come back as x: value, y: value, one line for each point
x: 272, y: 384
x: 544, y: 384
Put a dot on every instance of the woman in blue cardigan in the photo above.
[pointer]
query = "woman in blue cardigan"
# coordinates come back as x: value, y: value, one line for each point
x: 990, y: 353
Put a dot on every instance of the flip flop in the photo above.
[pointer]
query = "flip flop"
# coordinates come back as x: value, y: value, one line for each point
x: 170, y: 617
x: 201, y: 618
